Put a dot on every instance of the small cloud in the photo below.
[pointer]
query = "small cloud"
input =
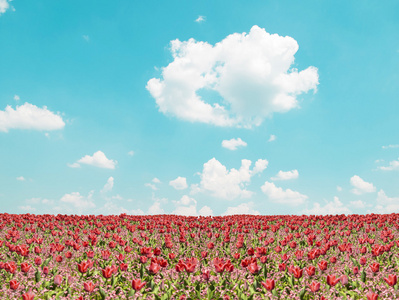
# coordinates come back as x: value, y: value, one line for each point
x: 109, y: 185
x: 393, y: 165
x: 21, y: 178
x: 194, y: 189
x: 390, y: 146
x: 151, y: 186
x: 339, y: 189
x: 97, y: 160
x: 86, y: 38
x: 272, y: 138
x: 16, y: 98
x: 156, y: 209
x: 233, y: 144
x: 26, y: 208
x: 78, y: 202
x: 200, y: 19
x: 378, y: 161
x: 205, y: 211
x: 357, y: 204
x: 29, y: 116
x: 278, y: 195
x: 241, y: 209
x: 131, y: 153
x: 331, y: 208
x: 385, y: 204
x: 4, y: 5
x: 180, y: 183
x: 156, y: 180
x: 74, y: 165
x: 286, y: 175
x: 361, y: 186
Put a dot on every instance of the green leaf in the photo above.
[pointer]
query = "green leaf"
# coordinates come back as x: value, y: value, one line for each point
x: 37, y: 276
x: 363, y: 276
x: 275, y: 293
x: 102, y: 294
x: 131, y: 293
x: 302, y: 293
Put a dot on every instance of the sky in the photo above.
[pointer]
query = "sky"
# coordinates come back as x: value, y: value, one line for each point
x: 199, y: 107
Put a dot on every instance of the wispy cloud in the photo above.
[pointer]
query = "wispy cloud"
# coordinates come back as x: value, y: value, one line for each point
x: 272, y: 138
x: 393, y: 165
x: 200, y: 19
x: 390, y: 146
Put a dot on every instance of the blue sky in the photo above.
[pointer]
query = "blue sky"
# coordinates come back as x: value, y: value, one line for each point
x: 199, y: 108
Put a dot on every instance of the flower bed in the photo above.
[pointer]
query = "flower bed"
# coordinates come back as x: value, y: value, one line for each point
x: 175, y: 257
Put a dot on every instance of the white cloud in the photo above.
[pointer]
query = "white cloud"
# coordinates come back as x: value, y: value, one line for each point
x: 131, y: 153
x: 393, y: 165
x: 260, y: 166
x: 16, y: 98
x: 250, y: 73
x: 385, y: 204
x: 86, y: 37
x: 4, y: 5
x: 205, y: 211
x: 361, y: 186
x: 357, y: 204
x: 194, y: 189
x: 286, y: 175
x: 179, y: 183
x: 151, y: 186
x: 109, y: 185
x: 278, y: 195
x: 97, y: 160
x: 378, y: 161
x: 78, y: 202
x: 156, y: 209
x: 335, y: 207
x: 200, y: 19
x: 339, y: 189
x: 233, y: 144
x: 156, y: 180
x: 225, y: 184
x: 29, y: 116
x: 390, y: 146
x: 26, y: 208
x: 272, y: 138
x: 74, y: 165
x: 241, y: 209
x: 21, y: 178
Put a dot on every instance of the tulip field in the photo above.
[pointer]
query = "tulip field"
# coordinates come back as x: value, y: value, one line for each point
x: 175, y: 257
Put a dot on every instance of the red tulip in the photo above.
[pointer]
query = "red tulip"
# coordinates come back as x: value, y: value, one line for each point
x: 14, y: 284
x: 362, y: 261
x: 38, y: 261
x: 315, y: 287
x: 28, y: 296
x: 269, y: 284
x: 204, y: 254
x: 206, y: 275
x: 322, y: 265
x: 154, y: 268
x: 333, y: 259
x: 344, y: 279
x: 331, y: 280
x: 310, y: 270
x: 372, y: 296
x: 83, y: 266
x: 89, y: 286
x: 25, y: 267
x: 375, y: 267
x: 107, y: 272
x: 45, y: 270
x: 137, y: 285
x: 282, y: 266
x: 391, y: 280
x: 253, y: 268
x: 297, y: 272
x: 355, y: 270
x: 172, y: 255
x: 211, y: 245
